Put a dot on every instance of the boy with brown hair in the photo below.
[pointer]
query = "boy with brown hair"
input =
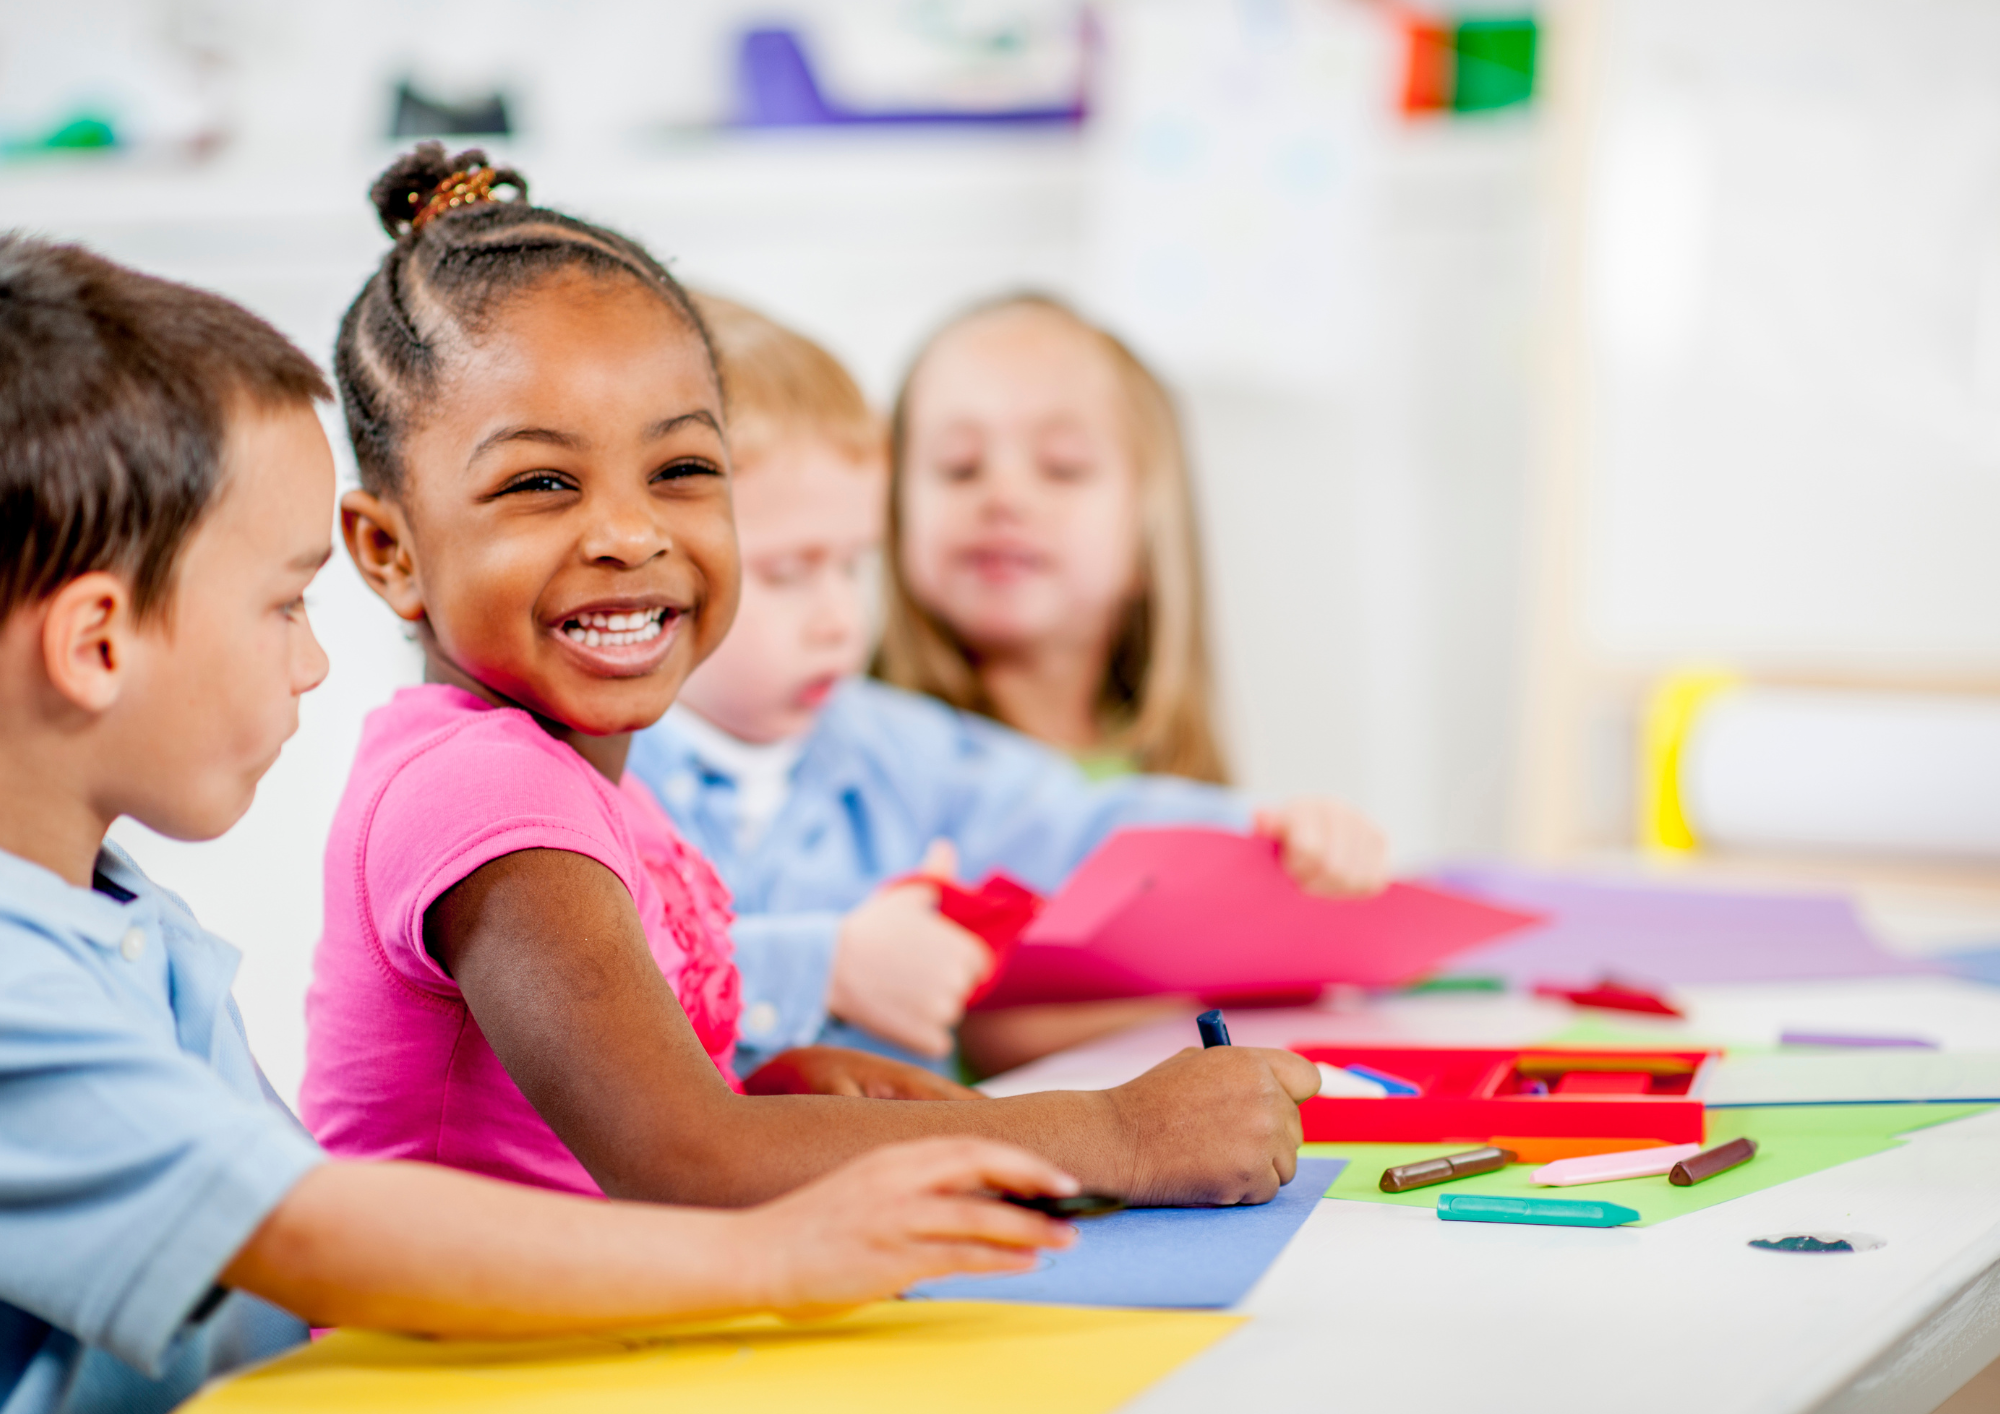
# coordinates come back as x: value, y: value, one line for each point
x: 166, y: 495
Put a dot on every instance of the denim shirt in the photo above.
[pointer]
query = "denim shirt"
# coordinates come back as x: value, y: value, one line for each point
x: 140, y: 1147
x: 883, y: 773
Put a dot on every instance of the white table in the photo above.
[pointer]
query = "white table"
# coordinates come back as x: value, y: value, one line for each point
x: 1387, y: 1310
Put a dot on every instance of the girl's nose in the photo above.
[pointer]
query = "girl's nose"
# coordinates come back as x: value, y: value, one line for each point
x: 837, y: 611
x: 625, y: 531
x: 1004, y: 486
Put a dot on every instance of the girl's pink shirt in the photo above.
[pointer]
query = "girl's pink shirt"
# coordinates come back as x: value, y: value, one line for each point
x: 396, y: 1068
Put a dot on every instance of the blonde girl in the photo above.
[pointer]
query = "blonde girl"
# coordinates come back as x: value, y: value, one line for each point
x: 1043, y: 564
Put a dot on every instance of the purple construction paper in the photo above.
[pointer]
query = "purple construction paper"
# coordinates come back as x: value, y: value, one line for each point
x: 1841, y: 1038
x: 1669, y: 936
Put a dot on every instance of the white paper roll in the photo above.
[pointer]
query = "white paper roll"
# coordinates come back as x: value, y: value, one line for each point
x: 1887, y: 773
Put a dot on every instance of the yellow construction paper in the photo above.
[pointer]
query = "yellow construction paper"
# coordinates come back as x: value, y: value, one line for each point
x: 894, y: 1357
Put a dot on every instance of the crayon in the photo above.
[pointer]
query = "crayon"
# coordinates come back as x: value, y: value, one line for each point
x: 1529, y: 1149
x: 1609, y: 1168
x: 1835, y: 1038
x: 1338, y: 1084
x: 1214, y: 1030
x: 1547, y: 1212
x: 1394, y: 1084
x: 1549, y: 1067
x: 1404, y: 1177
x: 1073, y: 1206
x: 1710, y: 1162
x: 1457, y: 984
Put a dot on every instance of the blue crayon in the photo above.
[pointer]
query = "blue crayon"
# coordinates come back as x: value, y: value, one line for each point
x: 1394, y: 1084
x: 1547, y: 1212
x: 1214, y: 1031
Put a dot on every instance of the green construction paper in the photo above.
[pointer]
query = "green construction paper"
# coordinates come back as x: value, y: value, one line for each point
x: 1618, y: 1034
x: 1792, y: 1141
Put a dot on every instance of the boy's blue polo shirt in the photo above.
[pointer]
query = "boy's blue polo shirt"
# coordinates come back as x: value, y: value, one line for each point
x: 139, y: 1147
x: 883, y: 773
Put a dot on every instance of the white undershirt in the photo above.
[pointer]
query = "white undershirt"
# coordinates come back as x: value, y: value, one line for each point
x: 762, y: 771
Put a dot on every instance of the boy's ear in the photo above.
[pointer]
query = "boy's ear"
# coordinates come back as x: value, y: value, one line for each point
x: 86, y: 639
x: 378, y: 541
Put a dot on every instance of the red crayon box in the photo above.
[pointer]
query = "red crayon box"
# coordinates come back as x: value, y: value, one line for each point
x: 1541, y: 1092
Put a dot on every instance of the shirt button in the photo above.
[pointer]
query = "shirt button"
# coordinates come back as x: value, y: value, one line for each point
x: 132, y: 944
x: 760, y: 1020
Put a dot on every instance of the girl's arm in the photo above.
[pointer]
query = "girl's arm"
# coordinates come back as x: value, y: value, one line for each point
x: 410, y: 1247
x: 548, y: 952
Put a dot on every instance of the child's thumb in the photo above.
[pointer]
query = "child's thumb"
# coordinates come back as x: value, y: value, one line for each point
x: 940, y: 860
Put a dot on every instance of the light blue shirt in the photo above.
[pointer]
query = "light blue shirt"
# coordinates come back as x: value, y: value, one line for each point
x: 883, y: 773
x: 140, y: 1147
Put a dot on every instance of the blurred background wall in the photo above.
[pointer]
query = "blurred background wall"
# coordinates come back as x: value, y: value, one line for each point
x: 1526, y: 356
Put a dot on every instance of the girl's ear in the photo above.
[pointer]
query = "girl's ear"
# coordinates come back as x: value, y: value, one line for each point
x: 378, y: 541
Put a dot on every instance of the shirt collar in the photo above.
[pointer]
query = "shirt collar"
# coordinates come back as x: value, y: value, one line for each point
x: 731, y: 756
x: 41, y: 897
x: 200, y: 966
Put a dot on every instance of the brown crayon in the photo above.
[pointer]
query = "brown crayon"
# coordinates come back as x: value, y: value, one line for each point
x: 1710, y: 1162
x: 1442, y: 1170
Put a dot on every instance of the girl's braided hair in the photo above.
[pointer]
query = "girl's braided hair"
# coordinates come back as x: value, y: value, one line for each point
x: 459, y: 253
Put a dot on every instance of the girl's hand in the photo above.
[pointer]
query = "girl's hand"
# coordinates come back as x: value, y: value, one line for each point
x: 836, y: 1070
x: 902, y: 970
x: 900, y: 1215
x: 1216, y: 1126
x: 1328, y: 848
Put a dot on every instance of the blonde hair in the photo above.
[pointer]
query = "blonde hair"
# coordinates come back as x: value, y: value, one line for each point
x: 1156, y: 697
x: 778, y: 384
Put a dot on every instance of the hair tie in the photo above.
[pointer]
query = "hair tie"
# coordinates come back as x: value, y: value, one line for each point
x: 466, y: 188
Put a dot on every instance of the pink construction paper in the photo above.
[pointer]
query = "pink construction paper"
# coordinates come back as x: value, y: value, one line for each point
x: 1207, y: 911
x: 1643, y: 933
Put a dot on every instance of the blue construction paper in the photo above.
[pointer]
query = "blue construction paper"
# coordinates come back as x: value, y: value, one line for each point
x: 1164, y: 1257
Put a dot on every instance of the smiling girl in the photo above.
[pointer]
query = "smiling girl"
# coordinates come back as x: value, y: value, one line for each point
x: 525, y: 971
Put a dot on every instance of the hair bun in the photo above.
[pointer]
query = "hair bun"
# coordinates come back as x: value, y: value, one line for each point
x: 400, y: 192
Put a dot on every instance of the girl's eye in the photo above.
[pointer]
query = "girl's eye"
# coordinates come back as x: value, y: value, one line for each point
x: 959, y: 471
x: 786, y: 571
x: 1065, y: 471
x: 681, y: 470
x: 296, y: 609
x: 542, y: 481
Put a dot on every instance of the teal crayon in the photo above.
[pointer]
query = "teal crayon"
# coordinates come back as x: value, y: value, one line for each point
x: 1546, y: 1212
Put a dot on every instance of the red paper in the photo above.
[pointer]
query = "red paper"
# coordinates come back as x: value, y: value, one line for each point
x: 1207, y: 911
x: 997, y: 912
x: 1612, y: 996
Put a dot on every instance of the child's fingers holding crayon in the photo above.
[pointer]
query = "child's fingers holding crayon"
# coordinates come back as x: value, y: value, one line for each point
x: 1218, y: 1126
x: 1299, y: 1076
x: 904, y: 1213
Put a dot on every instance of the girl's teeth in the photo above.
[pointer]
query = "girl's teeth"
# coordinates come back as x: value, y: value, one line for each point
x: 616, y: 630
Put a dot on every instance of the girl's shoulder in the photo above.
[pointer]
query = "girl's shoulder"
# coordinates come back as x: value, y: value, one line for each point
x: 438, y: 760
x: 429, y: 717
